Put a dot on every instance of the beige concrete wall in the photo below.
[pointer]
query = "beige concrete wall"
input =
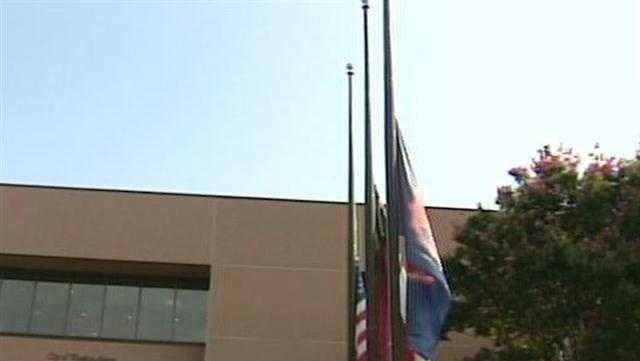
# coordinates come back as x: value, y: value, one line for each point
x: 280, y: 234
x: 105, y: 225
x: 279, y: 276
x: 44, y: 349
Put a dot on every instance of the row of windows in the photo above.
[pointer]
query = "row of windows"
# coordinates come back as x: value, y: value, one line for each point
x: 102, y: 311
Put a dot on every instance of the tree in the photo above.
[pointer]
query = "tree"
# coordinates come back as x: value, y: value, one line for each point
x: 554, y: 274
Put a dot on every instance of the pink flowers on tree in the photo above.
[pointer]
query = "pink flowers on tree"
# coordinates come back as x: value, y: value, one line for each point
x: 556, y: 270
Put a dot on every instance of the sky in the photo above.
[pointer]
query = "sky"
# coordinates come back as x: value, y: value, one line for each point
x: 248, y: 97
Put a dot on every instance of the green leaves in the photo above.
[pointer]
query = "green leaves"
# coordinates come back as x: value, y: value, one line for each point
x: 555, y: 274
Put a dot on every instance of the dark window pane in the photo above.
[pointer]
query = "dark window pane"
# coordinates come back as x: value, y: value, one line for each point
x: 85, y: 310
x: 191, y: 319
x: 156, y: 314
x: 50, y: 308
x: 15, y: 305
x: 120, y: 312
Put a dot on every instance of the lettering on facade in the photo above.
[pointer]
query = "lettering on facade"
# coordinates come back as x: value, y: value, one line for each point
x: 52, y: 356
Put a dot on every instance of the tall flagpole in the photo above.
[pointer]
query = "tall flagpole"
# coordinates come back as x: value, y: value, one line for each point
x: 391, y: 154
x: 351, y: 280
x: 370, y: 206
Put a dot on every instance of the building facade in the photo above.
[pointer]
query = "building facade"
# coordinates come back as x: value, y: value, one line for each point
x: 97, y: 275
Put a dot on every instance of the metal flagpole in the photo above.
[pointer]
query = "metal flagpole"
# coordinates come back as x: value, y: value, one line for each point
x: 351, y: 280
x: 370, y: 206
x: 391, y: 148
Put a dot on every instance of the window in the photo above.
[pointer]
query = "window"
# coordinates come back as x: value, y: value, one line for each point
x: 49, y: 308
x: 156, y: 313
x: 15, y: 305
x: 191, y: 306
x: 85, y: 310
x: 120, y: 312
x: 128, y: 311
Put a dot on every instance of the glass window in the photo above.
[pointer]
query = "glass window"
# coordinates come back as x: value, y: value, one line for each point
x: 190, y: 319
x: 50, y: 307
x: 85, y: 310
x: 120, y: 312
x: 15, y: 305
x: 156, y: 314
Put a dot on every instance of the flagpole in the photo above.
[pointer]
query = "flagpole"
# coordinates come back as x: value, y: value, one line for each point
x: 369, y: 209
x: 351, y: 286
x: 391, y: 155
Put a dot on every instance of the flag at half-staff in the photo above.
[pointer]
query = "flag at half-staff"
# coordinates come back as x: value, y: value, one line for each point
x: 379, y: 292
x: 383, y: 285
x: 420, y: 301
x: 371, y: 244
x: 352, y: 231
x: 361, y: 319
x: 425, y: 293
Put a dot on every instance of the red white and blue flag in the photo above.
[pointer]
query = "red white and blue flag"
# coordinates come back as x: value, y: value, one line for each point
x: 361, y: 319
x: 425, y: 294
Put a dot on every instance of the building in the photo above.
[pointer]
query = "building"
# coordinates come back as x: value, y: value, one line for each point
x: 96, y: 275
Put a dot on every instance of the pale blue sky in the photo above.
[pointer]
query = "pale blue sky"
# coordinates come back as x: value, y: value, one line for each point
x: 249, y: 97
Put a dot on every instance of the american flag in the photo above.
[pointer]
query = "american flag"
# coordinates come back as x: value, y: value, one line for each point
x: 361, y: 319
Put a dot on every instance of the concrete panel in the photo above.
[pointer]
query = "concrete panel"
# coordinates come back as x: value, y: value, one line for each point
x: 283, y: 304
x: 280, y: 234
x: 105, y: 225
x: 43, y: 349
x: 239, y: 349
x: 446, y: 223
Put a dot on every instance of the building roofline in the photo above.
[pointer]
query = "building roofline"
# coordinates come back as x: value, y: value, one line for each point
x: 195, y: 195
x: 161, y: 193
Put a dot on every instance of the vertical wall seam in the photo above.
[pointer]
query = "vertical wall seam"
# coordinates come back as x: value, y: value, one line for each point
x: 174, y: 312
x: 137, y: 328
x: 103, y: 308
x: 33, y: 302
x: 67, y: 309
